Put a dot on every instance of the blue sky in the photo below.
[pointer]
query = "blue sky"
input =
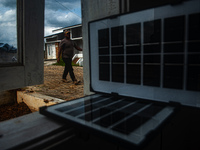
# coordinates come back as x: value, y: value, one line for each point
x: 61, y: 13
x: 58, y: 14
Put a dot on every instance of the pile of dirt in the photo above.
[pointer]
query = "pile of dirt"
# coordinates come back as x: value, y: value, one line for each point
x: 10, y: 111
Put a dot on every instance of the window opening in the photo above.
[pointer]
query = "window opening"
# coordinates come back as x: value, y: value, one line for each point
x: 76, y: 32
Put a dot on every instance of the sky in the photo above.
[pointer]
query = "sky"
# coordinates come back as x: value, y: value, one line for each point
x: 61, y: 13
x: 58, y: 14
x: 8, y: 22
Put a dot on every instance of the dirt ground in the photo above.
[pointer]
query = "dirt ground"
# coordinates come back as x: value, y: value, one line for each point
x: 53, y: 86
x: 10, y: 111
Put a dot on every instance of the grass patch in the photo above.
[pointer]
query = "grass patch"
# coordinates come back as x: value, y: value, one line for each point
x: 73, y: 64
x: 61, y: 63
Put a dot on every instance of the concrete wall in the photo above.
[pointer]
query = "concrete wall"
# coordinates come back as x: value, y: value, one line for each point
x: 30, y: 70
x: 7, y: 97
x: 94, y: 10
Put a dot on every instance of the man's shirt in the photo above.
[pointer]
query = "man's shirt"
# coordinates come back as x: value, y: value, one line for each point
x: 67, y: 48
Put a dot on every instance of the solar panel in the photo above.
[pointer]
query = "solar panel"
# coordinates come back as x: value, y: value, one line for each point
x: 149, y: 58
x: 124, y: 119
x: 152, y: 54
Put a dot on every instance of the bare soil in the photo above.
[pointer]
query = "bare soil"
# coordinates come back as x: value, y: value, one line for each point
x: 53, y: 86
x: 10, y: 111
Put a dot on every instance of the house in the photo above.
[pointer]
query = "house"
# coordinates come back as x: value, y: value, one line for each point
x: 52, y: 42
x: 142, y: 67
x: 51, y: 45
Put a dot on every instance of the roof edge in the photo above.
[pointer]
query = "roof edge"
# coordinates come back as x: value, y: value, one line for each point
x: 69, y: 27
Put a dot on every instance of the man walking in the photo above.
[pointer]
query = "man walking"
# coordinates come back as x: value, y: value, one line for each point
x: 66, y: 47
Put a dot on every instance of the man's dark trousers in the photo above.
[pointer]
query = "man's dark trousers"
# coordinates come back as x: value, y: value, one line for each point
x: 68, y: 68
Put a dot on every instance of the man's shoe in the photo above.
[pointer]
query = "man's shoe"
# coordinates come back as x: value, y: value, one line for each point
x: 64, y: 80
x: 77, y: 82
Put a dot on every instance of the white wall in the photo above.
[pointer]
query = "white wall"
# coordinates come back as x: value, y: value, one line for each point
x: 51, y: 51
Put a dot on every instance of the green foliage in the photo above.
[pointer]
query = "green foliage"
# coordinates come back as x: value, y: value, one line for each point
x: 61, y: 63
x: 73, y: 64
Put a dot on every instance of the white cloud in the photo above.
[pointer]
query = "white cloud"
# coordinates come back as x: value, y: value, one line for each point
x: 56, y: 16
x: 48, y: 30
x: 60, y: 19
x: 8, y: 17
x: 8, y: 33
